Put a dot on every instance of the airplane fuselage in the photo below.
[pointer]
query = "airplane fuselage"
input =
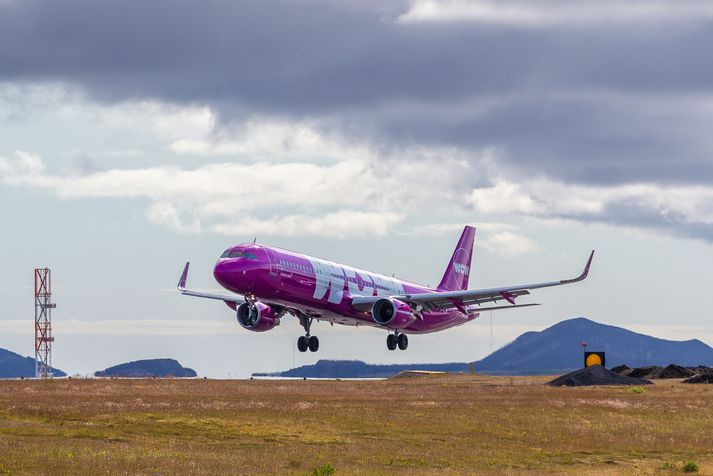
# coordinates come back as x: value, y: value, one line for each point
x: 322, y: 289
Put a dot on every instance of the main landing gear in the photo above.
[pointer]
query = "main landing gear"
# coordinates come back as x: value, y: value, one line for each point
x: 307, y: 341
x: 396, y: 339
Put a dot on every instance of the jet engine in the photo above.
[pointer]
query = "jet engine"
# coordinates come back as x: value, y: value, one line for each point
x: 257, y: 317
x: 392, y: 313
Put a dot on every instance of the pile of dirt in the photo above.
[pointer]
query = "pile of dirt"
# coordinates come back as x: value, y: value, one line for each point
x: 700, y: 378
x: 670, y: 371
x: 595, y: 375
x: 621, y: 369
x: 702, y: 369
x: 642, y: 372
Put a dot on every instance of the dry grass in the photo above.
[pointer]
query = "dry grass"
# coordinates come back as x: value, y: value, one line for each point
x: 426, y: 425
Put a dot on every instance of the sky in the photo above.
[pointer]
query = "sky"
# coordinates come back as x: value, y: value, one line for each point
x: 136, y: 136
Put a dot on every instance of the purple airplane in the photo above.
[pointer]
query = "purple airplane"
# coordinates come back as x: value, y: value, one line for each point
x: 270, y: 282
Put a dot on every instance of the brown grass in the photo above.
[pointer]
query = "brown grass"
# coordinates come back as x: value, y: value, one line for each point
x: 425, y: 425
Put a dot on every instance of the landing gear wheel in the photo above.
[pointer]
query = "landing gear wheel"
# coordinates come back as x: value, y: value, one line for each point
x: 313, y: 344
x: 391, y: 342
x: 403, y: 341
x: 302, y: 344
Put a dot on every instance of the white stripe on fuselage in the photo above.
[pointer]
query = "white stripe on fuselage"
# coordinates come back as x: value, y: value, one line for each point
x: 332, y: 277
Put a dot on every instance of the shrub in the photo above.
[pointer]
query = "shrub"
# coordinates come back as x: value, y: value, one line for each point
x: 325, y: 470
x: 636, y: 389
x: 690, y: 467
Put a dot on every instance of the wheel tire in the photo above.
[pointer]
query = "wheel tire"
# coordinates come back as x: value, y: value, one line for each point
x: 403, y: 341
x: 313, y: 344
x: 302, y: 344
x: 391, y: 342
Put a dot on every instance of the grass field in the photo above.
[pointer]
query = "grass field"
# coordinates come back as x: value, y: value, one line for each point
x: 423, y: 425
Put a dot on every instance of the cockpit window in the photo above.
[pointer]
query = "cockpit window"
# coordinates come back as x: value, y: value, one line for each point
x: 239, y: 254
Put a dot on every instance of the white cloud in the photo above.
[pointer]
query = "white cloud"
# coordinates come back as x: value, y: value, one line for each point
x: 546, y: 197
x: 357, y: 191
x: 343, y: 223
x: 507, y: 243
x: 555, y: 12
x: 274, y: 139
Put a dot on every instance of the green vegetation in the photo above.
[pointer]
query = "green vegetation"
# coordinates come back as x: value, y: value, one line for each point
x: 636, y: 389
x: 325, y: 470
x: 439, y: 424
x: 690, y: 467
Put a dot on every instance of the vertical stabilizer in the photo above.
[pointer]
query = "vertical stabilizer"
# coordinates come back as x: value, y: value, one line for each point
x: 458, y: 270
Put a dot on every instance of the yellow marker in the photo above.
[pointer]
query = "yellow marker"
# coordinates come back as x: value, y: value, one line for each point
x: 593, y: 359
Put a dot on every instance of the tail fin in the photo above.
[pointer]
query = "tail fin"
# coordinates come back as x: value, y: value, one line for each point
x: 458, y: 270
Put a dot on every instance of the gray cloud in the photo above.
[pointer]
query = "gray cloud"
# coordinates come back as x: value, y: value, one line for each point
x: 587, y: 101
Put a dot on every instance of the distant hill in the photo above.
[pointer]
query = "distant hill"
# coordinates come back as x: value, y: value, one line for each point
x: 359, y: 369
x: 14, y: 365
x: 556, y: 349
x: 148, y: 368
x: 559, y: 348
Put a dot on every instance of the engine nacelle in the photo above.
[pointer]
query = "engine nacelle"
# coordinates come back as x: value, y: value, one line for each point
x: 392, y: 313
x: 257, y: 318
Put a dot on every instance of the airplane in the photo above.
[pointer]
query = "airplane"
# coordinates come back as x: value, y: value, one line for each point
x: 268, y: 283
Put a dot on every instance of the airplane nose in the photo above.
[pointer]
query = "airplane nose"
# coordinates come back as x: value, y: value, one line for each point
x: 221, y: 271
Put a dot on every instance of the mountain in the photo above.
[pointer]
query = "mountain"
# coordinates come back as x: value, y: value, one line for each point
x: 14, y: 365
x: 359, y: 369
x: 559, y: 348
x: 556, y: 349
x: 148, y: 368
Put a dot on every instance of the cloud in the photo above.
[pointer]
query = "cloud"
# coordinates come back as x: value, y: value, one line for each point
x: 682, y: 210
x: 345, y: 190
x: 555, y: 12
x: 588, y: 91
x: 507, y: 243
x: 339, y: 224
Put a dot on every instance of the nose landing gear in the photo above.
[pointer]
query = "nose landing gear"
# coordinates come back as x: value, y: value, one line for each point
x: 396, y: 339
x: 307, y: 341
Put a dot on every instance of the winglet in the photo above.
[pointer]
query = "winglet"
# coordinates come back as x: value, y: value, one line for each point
x: 584, y: 274
x: 184, y: 277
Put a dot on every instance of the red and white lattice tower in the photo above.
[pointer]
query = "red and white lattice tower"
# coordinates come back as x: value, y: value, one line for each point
x: 43, y: 323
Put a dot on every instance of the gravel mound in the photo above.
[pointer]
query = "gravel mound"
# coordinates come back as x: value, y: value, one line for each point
x: 621, y: 369
x: 595, y: 375
x: 702, y: 369
x: 700, y: 378
x: 671, y: 371
x: 642, y: 372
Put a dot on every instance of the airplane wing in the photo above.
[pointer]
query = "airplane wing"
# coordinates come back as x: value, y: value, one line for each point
x: 187, y: 292
x: 460, y: 299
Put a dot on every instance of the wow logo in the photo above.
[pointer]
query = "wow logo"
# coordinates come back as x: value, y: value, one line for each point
x: 461, y: 268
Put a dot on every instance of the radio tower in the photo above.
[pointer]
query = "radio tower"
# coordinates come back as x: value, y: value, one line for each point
x: 43, y: 323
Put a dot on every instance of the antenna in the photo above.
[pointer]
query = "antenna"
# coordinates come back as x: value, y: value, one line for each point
x: 254, y: 239
x: 43, y: 323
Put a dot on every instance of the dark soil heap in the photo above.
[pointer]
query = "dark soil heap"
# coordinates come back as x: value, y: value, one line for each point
x: 700, y: 378
x: 671, y: 371
x: 621, y: 369
x: 595, y: 375
x: 642, y: 372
